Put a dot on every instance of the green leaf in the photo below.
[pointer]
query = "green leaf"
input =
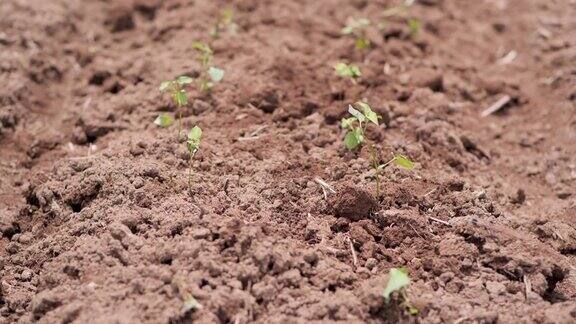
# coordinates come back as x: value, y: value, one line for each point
x: 194, y: 137
x: 202, y: 47
x: 368, y: 112
x: 356, y: 113
x: 398, y: 279
x: 345, y: 70
x: 351, y: 140
x: 341, y: 69
x: 403, y: 162
x: 362, y: 43
x: 195, y: 133
x: 164, y: 120
x: 414, y: 26
x: 215, y: 74
x: 180, y: 98
x: 184, y: 79
x: 347, y: 122
x: 347, y: 30
x: 165, y: 85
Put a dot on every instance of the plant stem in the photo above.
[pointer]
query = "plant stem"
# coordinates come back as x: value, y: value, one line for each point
x: 190, y: 173
x: 179, y: 111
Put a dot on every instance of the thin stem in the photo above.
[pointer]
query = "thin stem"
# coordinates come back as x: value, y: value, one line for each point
x: 179, y: 111
x: 190, y: 172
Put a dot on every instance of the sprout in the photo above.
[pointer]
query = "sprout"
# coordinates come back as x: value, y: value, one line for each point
x: 179, y: 98
x: 362, y: 116
x: 402, y: 10
x: 347, y: 71
x: 193, y: 144
x: 398, y: 281
x: 225, y: 23
x: 414, y: 25
x: 210, y: 75
x: 357, y: 28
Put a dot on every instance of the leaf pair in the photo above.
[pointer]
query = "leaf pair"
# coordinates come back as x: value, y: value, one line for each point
x: 357, y: 27
x: 175, y: 87
x: 226, y: 22
x: 211, y: 75
x: 355, y: 124
x: 347, y: 71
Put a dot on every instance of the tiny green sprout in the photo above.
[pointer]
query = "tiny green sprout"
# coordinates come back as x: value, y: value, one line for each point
x: 357, y: 28
x: 398, y: 281
x: 225, y: 23
x: 347, y: 71
x: 179, y: 98
x: 193, y: 144
x: 210, y: 75
x: 415, y: 26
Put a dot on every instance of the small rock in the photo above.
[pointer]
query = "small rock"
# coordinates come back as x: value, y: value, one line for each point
x: 495, y: 288
x: 26, y: 275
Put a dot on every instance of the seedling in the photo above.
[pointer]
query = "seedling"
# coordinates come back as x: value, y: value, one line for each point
x: 398, y: 281
x: 362, y: 116
x: 225, y: 23
x: 193, y: 144
x: 348, y: 71
x: 179, y: 98
x: 414, y: 25
x: 357, y: 28
x: 210, y: 75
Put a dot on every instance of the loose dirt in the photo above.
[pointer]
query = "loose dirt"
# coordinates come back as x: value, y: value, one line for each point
x: 96, y: 224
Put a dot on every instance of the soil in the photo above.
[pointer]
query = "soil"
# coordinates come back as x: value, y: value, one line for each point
x: 96, y: 223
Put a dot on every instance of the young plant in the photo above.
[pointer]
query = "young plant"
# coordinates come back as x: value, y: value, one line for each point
x: 357, y: 28
x: 175, y: 88
x: 402, y: 10
x: 193, y: 144
x: 348, y: 71
x: 225, y: 23
x: 210, y: 75
x: 398, y: 281
x: 362, y: 116
x: 414, y: 25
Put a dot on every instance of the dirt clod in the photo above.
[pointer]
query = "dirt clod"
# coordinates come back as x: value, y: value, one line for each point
x: 352, y: 202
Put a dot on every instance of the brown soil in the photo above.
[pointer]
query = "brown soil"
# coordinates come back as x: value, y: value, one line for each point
x: 96, y: 224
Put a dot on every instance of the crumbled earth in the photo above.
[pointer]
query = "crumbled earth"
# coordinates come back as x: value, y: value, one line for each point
x: 97, y: 225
